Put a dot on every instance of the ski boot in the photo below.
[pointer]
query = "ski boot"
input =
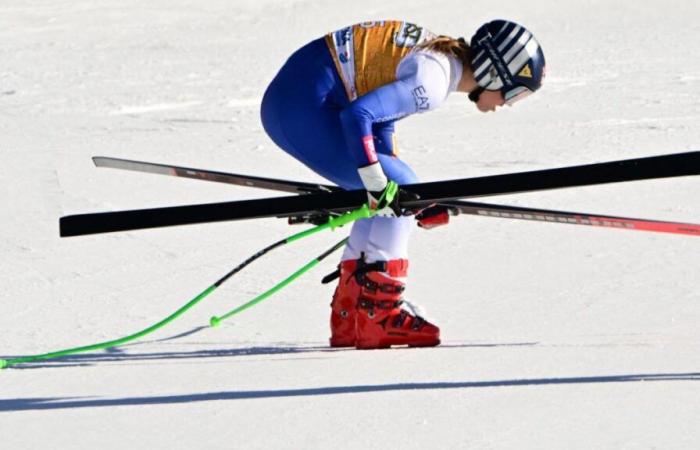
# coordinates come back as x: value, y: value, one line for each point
x: 344, y: 304
x: 383, y: 317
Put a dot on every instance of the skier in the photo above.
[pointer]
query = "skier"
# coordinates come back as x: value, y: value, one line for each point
x: 333, y: 106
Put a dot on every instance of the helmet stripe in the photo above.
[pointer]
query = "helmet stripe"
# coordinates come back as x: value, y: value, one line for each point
x: 515, y: 49
x: 483, y: 62
x: 480, y: 58
x: 523, y: 57
x: 501, y: 38
x: 502, y: 43
x: 504, y: 28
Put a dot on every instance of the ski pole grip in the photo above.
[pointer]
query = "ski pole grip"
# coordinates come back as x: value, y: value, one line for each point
x: 360, y: 213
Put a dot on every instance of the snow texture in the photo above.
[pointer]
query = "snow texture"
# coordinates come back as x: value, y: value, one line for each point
x: 555, y: 336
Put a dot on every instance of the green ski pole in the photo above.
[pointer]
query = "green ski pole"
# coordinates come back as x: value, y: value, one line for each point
x: 362, y: 212
x: 390, y: 191
x: 216, y: 320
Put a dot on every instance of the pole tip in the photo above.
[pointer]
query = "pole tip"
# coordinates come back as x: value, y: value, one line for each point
x: 3, y: 363
x: 214, y: 321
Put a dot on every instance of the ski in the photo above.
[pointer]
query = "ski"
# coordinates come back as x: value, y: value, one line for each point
x: 574, y: 218
x: 462, y: 207
x: 665, y: 166
x: 294, y: 187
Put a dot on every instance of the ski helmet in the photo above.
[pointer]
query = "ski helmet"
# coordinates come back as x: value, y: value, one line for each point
x: 507, y: 58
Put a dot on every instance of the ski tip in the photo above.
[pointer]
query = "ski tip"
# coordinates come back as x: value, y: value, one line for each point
x: 3, y: 363
x: 64, y: 229
x: 214, y: 322
x: 70, y: 226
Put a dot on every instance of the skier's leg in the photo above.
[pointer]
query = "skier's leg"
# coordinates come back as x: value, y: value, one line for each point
x: 300, y: 112
x: 383, y: 238
x: 382, y: 317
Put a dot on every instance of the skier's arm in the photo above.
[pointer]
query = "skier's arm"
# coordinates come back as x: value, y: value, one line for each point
x: 422, y: 85
x: 384, y: 137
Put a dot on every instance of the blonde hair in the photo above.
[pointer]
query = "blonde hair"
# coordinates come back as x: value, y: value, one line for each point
x: 449, y: 46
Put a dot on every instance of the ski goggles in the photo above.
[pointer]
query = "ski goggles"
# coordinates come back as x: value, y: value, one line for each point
x: 511, y: 95
x: 514, y: 95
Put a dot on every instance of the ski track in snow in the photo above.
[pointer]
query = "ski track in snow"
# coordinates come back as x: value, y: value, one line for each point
x: 144, y: 109
x: 553, y: 336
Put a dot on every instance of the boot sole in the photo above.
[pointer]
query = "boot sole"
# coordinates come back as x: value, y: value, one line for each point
x: 386, y: 346
x: 341, y: 344
x: 426, y: 344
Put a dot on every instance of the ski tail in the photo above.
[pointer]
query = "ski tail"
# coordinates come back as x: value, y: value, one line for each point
x: 294, y: 187
x: 573, y: 218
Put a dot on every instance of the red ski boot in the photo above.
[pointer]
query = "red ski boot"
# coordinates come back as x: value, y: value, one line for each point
x: 383, y: 317
x: 344, y: 305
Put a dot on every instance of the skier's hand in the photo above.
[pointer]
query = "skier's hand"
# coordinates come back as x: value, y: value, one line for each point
x: 435, y: 216
x: 385, y: 203
x: 383, y: 196
x: 378, y: 196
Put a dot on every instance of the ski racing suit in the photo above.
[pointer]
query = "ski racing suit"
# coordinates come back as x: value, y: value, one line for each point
x: 333, y: 106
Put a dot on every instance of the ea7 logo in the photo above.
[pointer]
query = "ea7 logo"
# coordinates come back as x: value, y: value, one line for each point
x: 421, y: 99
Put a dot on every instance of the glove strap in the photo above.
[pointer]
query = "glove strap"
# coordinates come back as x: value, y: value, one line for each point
x: 389, y: 193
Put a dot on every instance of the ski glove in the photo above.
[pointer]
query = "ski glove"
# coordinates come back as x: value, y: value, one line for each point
x: 435, y: 216
x: 382, y: 194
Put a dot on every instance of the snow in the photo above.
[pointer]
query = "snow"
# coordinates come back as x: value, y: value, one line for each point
x: 555, y: 336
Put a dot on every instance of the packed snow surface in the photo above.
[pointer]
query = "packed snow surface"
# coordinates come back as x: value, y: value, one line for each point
x: 554, y: 336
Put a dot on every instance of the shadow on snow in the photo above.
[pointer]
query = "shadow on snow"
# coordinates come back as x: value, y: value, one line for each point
x: 120, y: 354
x: 57, y: 403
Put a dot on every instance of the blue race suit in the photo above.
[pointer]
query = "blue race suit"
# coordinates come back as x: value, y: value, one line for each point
x: 306, y: 112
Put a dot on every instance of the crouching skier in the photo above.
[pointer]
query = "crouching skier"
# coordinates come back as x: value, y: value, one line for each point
x: 333, y: 105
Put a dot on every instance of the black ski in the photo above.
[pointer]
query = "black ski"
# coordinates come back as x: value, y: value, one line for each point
x: 462, y: 207
x: 675, y: 165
